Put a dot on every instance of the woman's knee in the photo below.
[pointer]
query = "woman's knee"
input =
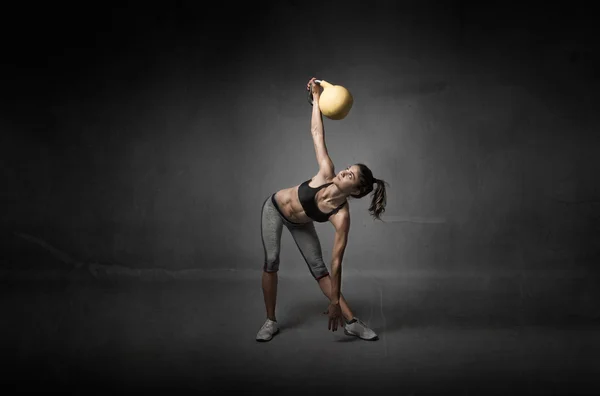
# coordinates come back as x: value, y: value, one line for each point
x: 319, y: 272
x: 271, y: 264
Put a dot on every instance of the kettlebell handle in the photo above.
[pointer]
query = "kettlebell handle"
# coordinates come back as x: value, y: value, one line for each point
x: 310, y: 99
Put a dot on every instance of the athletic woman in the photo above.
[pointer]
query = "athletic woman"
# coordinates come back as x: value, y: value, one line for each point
x: 322, y: 198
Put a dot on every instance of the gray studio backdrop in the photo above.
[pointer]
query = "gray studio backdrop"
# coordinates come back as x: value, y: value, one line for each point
x: 161, y: 156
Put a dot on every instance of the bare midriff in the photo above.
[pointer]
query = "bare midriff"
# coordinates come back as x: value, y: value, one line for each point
x: 289, y: 204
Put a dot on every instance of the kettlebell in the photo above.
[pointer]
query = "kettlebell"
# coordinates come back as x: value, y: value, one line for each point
x: 335, y: 101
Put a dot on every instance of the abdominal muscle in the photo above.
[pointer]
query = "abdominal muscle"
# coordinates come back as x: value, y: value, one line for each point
x: 289, y: 203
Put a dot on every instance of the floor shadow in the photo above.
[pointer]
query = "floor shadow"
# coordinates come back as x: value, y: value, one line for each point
x: 298, y: 314
x: 348, y: 339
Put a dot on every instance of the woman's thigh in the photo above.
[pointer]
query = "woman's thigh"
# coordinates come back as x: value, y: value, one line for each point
x: 308, y: 243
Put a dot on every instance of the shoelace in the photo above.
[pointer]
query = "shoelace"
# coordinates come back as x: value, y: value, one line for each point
x: 362, y: 323
x: 267, y: 324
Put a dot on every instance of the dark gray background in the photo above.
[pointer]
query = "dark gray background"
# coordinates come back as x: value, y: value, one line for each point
x: 150, y: 136
x: 147, y: 136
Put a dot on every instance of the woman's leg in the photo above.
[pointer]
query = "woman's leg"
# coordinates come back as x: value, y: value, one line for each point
x: 269, y: 288
x: 354, y: 326
x: 271, y: 228
x: 308, y: 243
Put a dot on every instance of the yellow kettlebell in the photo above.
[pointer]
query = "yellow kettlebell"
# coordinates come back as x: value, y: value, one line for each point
x: 335, y: 101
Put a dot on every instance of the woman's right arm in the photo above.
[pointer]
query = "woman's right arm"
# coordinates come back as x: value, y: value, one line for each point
x: 326, y: 167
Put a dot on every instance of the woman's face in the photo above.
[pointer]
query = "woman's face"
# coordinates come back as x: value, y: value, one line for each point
x: 347, y: 179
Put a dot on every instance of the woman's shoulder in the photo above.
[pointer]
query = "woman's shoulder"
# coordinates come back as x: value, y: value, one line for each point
x: 341, y: 218
x: 319, y: 179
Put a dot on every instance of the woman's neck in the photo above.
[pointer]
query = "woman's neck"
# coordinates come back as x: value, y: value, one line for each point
x: 333, y: 195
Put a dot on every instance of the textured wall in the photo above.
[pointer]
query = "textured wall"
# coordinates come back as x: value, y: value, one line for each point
x: 150, y: 138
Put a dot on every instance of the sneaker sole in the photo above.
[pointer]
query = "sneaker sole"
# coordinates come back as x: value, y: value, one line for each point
x: 268, y: 339
x: 356, y: 335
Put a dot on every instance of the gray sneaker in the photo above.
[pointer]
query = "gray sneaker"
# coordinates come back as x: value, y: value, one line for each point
x: 359, y: 329
x: 267, y: 331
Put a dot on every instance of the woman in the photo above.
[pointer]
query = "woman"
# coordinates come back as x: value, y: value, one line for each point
x: 322, y: 198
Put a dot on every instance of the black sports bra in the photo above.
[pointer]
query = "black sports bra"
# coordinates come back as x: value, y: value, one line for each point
x: 306, y: 195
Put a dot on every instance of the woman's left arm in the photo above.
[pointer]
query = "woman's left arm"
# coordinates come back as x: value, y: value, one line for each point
x: 341, y: 222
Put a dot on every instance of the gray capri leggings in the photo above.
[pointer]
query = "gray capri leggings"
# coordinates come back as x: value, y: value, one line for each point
x: 305, y: 235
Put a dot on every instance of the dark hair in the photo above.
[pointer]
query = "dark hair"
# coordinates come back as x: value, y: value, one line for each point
x: 366, y: 181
